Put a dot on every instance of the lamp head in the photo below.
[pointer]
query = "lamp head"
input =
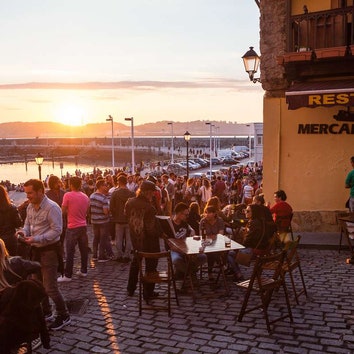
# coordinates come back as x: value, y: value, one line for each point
x: 251, y: 62
x: 187, y: 136
x: 39, y: 159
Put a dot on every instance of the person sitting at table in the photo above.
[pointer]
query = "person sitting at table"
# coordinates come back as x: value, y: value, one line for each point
x: 213, y: 225
x: 183, y: 230
x: 257, y: 237
x: 216, y: 203
x: 282, y: 213
x: 194, y: 216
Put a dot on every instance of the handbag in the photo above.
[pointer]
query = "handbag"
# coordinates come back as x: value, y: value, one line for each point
x: 244, y: 259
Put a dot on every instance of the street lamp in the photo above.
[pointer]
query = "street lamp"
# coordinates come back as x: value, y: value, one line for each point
x: 187, y: 137
x: 131, y: 120
x: 210, y: 162
x: 172, y: 147
x: 251, y: 62
x: 250, y: 140
x: 216, y: 141
x: 110, y: 119
x: 39, y: 161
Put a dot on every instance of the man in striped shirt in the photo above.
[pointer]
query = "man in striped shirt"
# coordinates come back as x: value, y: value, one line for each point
x: 99, y: 205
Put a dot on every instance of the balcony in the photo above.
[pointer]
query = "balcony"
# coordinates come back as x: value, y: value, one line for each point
x: 323, y: 29
x: 320, y: 44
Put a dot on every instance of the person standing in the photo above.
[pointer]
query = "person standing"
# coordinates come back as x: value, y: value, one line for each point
x: 349, y: 183
x: 99, y: 207
x: 9, y: 220
x: 75, y: 205
x: 118, y: 199
x: 56, y: 193
x: 42, y: 230
x: 145, y: 235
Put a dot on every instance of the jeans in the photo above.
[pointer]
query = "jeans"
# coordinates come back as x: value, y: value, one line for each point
x: 231, y: 259
x: 121, y: 231
x: 151, y: 265
x: 73, y: 237
x: 48, y: 275
x: 351, y: 204
x: 180, y: 263
x: 101, y: 240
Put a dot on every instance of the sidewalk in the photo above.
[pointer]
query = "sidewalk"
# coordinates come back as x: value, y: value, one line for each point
x: 110, y: 322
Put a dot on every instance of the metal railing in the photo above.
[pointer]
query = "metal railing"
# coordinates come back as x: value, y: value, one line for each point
x: 322, y: 29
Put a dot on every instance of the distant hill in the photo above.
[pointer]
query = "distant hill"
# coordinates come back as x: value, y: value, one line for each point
x: 54, y: 130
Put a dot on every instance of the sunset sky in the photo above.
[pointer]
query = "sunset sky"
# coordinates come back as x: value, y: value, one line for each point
x: 77, y: 61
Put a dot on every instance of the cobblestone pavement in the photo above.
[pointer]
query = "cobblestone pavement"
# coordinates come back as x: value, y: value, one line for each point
x: 323, y: 323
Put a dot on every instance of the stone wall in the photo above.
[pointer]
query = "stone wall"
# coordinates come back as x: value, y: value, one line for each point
x: 315, y: 221
x: 273, y: 26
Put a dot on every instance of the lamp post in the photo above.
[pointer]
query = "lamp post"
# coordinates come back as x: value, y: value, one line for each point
x: 187, y: 137
x: 110, y: 119
x: 250, y: 140
x: 131, y: 120
x: 39, y: 161
x: 216, y: 141
x: 251, y: 62
x: 172, y: 147
x: 210, y: 162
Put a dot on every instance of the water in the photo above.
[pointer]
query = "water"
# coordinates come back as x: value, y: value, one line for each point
x: 16, y: 173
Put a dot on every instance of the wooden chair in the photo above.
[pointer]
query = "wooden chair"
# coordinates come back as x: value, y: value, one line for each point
x: 158, y: 277
x: 264, y: 285
x: 284, y: 224
x: 292, y: 262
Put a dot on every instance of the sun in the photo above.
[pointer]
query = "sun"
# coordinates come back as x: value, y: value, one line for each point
x: 70, y: 114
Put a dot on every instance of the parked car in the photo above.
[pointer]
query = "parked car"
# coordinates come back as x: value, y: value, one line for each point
x: 201, y: 162
x: 215, y: 161
x: 229, y: 161
x: 194, y: 162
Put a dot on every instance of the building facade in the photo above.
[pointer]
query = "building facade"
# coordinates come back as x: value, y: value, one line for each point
x: 307, y: 72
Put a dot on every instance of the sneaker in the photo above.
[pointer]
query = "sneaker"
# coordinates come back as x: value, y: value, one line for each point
x: 102, y: 260
x: 36, y: 343
x: 81, y: 274
x: 63, y: 279
x: 49, y: 316
x: 94, y: 258
x: 60, y: 322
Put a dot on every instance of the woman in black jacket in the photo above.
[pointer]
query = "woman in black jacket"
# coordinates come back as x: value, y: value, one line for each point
x: 9, y: 221
x: 257, y: 237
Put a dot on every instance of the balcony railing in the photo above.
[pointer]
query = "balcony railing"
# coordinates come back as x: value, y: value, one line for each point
x: 323, y: 29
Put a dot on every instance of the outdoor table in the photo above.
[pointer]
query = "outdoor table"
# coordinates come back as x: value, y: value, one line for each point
x: 192, y: 246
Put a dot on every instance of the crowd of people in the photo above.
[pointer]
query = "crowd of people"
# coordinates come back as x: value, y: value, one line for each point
x: 121, y: 209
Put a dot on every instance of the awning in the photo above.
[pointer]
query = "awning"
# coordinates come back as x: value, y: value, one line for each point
x: 320, y: 94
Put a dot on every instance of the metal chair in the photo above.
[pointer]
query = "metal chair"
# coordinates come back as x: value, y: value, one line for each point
x: 264, y: 285
x: 156, y: 277
x: 344, y: 230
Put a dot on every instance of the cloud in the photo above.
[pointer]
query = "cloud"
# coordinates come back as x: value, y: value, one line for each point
x: 5, y: 108
x: 208, y: 83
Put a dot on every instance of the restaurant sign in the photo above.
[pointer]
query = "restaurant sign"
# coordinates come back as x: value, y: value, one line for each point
x: 324, y: 129
x: 320, y: 94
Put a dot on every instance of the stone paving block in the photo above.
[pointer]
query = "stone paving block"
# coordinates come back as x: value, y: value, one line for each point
x: 207, y: 349
x: 149, y: 347
x: 338, y: 350
x: 312, y: 346
x: 295, y: 350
